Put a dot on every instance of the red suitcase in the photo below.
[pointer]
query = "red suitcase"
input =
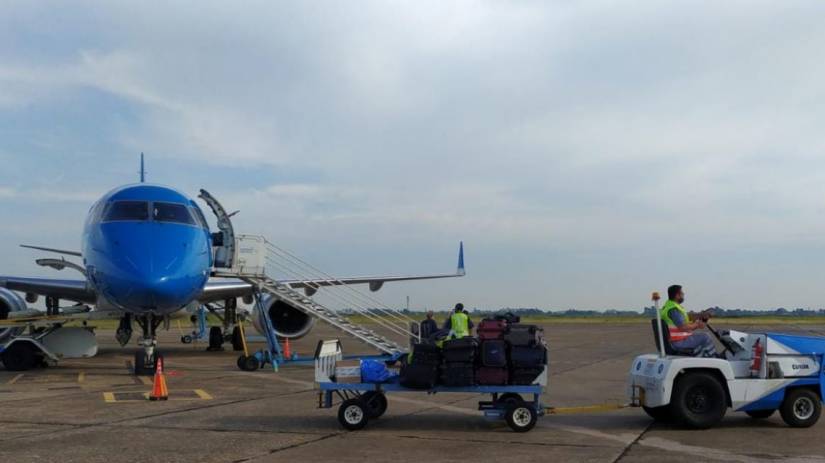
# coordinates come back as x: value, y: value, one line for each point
x: 492, y: 376
x: 491, y: 329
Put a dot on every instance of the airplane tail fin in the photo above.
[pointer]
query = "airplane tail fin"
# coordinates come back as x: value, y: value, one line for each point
x: 142, y: 170
x: 460, y: 270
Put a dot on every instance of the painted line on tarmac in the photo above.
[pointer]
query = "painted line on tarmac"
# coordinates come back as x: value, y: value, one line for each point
x: 141, y: 396
x: 626, y: 439
x: 723, y: 455
x: 16, y: 378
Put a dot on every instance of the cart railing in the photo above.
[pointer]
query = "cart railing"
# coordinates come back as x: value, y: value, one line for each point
x: 326, y: 355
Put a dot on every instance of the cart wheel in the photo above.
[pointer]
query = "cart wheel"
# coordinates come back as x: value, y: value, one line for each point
x: 376, y: 403
x: 186, y: 339
x: 801, y: 408
x: 510, y: 398
x: 250, y: 363
x: 521, y: 418
x: 760, y: 414
x: 353, y: 414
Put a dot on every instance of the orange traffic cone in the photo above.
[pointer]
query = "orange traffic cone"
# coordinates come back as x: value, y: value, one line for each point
x: 159, y: 391
x: 287, y: 350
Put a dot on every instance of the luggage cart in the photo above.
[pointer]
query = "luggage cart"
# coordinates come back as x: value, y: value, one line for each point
x: 360, y: 402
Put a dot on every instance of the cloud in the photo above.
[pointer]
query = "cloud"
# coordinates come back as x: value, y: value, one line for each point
x: 539, y: 131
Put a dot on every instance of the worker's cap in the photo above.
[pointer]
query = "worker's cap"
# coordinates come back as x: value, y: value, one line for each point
x: 459, y: 306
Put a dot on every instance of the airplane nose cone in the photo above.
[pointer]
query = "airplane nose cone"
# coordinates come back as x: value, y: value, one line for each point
x: 157, y: 270
x: 163, y: 282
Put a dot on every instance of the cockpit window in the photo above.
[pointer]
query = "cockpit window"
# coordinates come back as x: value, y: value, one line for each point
x: 171, y: 212
x: 126, y: 210
x: 200, y: 218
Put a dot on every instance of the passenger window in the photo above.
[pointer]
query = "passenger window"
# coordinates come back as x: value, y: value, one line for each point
x: 171, y: 212
x: 126, y: 210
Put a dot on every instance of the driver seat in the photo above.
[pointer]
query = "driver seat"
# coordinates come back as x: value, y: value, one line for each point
x: 669, y: 349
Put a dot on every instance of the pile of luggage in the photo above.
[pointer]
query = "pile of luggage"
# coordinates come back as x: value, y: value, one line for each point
x: 505, y: 352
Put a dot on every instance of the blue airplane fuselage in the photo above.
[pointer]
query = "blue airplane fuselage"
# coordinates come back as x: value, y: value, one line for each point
x: 147, y: 249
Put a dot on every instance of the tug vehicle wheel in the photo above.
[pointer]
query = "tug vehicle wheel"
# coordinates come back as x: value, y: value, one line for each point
x: 801, y: 408
x: 353, y: 414
x: 760, y: 414
x: 20, y: 356
x: 376, y: 403
x: 661, y: 414
x: 698, y: 400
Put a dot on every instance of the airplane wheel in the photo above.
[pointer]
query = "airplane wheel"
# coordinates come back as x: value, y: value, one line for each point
x: 140, y: 363
x: 237, y: 339
x: 143, y: 368
x: 215, y: 339
x: 250, y: 363
x: 20, y: 356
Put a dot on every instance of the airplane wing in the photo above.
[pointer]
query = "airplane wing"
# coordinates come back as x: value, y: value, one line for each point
x: 217, y: 290
x: 59, y: 251
x: 74, y: 290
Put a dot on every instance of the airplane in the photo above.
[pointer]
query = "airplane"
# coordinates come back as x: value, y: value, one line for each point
x: 147, y: 252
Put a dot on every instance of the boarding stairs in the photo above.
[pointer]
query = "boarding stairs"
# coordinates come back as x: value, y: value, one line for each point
x: 258, y: 259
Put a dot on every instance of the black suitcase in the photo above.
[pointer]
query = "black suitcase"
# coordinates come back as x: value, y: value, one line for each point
x: 458, y: 374
x: 494, y: 353
x: 508, y: 317
x: 492, y: 376
x: 524, y: 376
x: 528, y: 357
x: 460, y: 350
x: 419, y: 376
x: 524, y: 335
x: 425, y: 354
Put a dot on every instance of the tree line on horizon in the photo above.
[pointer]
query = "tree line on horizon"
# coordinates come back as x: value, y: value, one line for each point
x: 579, y: 313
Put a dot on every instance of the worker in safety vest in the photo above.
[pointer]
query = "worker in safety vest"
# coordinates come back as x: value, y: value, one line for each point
x: 459, y: 323
x: 683, y: 335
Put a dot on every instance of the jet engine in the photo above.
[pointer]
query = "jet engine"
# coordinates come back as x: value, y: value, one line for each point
x: 10, y: 302
x: 288, y: 321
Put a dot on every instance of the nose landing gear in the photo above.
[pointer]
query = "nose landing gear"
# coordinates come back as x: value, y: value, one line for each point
x: 146, y: 359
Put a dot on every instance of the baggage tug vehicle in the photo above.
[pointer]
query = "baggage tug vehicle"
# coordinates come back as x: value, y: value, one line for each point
x: 759, y: 374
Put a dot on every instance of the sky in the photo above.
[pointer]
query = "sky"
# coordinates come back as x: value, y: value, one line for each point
x: 586, y: 153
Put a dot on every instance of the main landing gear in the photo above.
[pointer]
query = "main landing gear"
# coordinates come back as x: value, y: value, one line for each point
x: 230, y: 332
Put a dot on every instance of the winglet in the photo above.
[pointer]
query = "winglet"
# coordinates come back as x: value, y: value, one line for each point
x: 58, y: 251
x: 460, y: 271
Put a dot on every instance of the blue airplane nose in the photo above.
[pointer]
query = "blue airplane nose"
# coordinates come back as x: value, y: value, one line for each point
x: 158, y: 270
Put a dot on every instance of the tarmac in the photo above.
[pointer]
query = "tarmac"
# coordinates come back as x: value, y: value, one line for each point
x: 94, y: 410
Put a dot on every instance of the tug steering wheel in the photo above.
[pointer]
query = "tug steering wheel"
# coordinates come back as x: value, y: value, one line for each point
x: 722, y: 340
